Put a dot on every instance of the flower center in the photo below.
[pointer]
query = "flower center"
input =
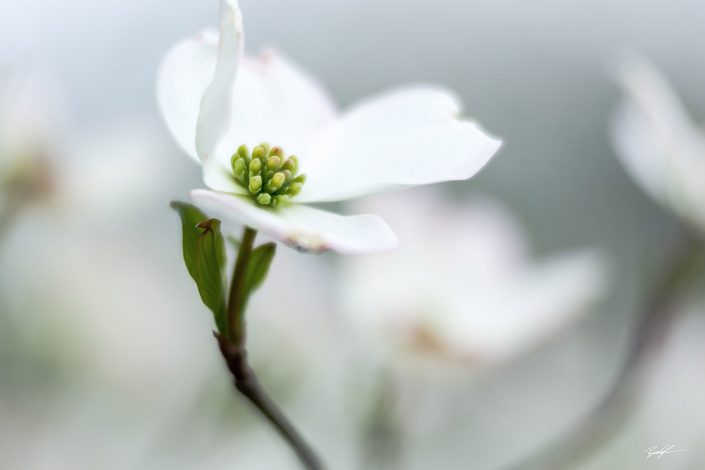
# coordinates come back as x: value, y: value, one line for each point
x: 267, y: 175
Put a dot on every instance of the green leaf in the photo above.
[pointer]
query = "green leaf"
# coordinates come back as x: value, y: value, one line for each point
x: 258, y: 267
x: 204, y: 255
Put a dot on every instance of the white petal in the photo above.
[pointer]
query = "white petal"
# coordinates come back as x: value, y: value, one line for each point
x: 301, y: 227
x: 658, y: 143
x: 215, y: 100
x: 403, y: 138
x: 273, y: 101
x: 195, y: 80
x: 650, y: 118
x: 215, y: 110
x: 184, y: 76
x: 218, y: 175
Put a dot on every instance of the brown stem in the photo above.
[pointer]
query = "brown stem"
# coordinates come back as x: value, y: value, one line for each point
x: 234, y: 352
x: 246, y: 383
x: 615, y: 407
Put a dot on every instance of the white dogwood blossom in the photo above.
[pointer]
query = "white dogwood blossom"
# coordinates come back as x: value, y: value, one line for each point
x: 466, y: 293
x: 658, y: 142
x: 226, y: 108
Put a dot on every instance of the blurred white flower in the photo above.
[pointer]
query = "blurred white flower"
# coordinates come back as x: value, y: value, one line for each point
x: 33, y: 110
x: 658, y: 143
x: 115, y: 171
x: 214, y: 100
x: 462, y: 288
x: 92, y: 334
x: 91, y: 266
x: 32, y: 120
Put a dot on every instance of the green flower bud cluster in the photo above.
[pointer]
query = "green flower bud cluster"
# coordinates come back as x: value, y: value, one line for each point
x: 269, y: 177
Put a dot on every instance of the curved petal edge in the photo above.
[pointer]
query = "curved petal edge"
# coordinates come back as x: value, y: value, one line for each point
x: 306, y: 229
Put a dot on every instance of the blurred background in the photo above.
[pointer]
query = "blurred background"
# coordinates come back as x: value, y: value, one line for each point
x: 106, y: 355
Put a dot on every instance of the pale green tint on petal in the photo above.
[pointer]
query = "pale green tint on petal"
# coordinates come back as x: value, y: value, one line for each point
x: 658, y: 143
x: 301, y: 227
x: 406, y: 137
x: 184, y: 75
x: 215, y: 109
x: 218, y: 175
x: 275, y: 101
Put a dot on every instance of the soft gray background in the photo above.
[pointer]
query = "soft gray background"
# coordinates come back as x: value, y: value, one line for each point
x: 535, y: 73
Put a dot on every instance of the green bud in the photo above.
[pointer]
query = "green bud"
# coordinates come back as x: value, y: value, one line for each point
x: 291, y: 164
x: 238, y: 167
x: 255, y: 184
x: 243, y: 151
x: 264, y: 199
x: 273, y: 163
x: 294, y: 189
x: 259, y: 152
x: 276, y: 182
x: 255, y: 166
x: 281, y: 200
x: 267, y: 174
x: 300, y: 179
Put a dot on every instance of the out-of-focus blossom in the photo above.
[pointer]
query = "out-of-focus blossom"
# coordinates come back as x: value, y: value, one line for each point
x: 216, y: 100
x: 32, y: 118
x: 86, y: 265
x: 91, y: 266
x: 658, y: 143
x: 116, y: 172
x: 92, y: 315
x: 33, y: 111
x: 463, y: 287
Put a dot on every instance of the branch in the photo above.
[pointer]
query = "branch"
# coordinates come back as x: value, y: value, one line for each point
x: 234, y: 352
x: 246, y: 383
x: 606, y: 418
